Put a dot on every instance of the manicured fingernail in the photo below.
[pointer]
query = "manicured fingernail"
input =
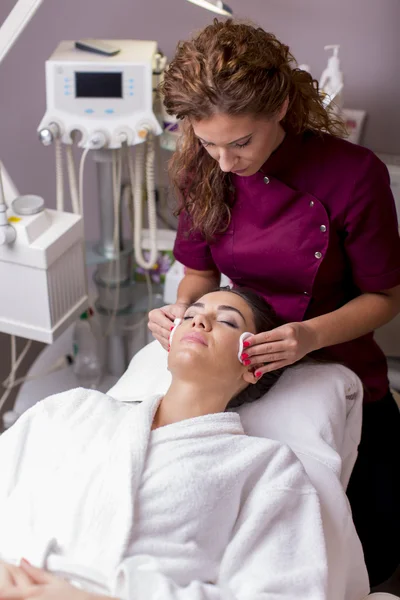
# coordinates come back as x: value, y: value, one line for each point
x: 169, y: 348
x: 171, y: 328
x: 258, y: 374
x: 23, y: 560
x: 246, y: 344
x: 246, y: 363
x: 245, y: 356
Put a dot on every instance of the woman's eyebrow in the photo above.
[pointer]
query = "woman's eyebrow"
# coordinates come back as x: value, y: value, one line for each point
x: 232, y: 308
x: 220, y: 307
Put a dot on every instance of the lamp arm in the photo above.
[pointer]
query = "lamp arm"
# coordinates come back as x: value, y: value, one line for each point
x: 15, y: 23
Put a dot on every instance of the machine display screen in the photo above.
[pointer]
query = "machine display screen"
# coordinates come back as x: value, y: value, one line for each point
x: 98, y: 85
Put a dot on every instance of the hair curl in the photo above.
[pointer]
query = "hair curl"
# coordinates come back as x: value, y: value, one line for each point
x: 232, y: 68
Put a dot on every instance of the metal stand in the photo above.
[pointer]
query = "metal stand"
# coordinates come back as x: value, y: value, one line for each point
x: 113, y: 275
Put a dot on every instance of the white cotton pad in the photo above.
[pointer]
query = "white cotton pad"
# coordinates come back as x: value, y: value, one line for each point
x: 171, y: 335
x: 242, y: 338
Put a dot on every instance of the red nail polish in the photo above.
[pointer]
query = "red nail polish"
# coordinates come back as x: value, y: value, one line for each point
x: 245, y: 356
x: 258, y: 374
x: 246, y: 344
x: 246, y: 363
x: 171, y: 328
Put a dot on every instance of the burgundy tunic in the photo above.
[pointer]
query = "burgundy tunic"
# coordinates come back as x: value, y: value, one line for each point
x: 314, y: 229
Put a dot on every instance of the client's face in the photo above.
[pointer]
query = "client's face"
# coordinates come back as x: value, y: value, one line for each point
x: 206, y: 344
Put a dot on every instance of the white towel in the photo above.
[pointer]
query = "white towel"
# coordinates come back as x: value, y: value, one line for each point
x: 314, y: 408
x: 69, y: 468
x: 75, y: 469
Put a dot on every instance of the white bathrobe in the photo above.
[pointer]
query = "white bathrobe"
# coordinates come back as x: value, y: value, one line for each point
x: 195, y: 510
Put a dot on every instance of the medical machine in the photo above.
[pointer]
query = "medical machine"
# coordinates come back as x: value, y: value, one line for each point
x: 43, y: 284
x: 41, y: 266
x: 108, y: 100
x: 102, y: 97
x: 102, y: 101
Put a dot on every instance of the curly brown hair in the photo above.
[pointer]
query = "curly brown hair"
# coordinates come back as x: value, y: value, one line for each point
x: 232, y: 68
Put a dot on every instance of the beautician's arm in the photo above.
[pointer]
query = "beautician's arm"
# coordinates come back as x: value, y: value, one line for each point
x: 197, y: 283
x: 356, y: 318
x: 291, y: 342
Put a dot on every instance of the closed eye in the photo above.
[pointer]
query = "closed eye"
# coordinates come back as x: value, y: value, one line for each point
x: 230, y: 324
x: 243, y: 145
x: 208, y: 144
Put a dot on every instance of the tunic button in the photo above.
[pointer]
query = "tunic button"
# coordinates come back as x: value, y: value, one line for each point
x: 266, y: 180
x: 306, y: 293
x: 312, y: 203
x: 318, y: 255
x: 323, y: 228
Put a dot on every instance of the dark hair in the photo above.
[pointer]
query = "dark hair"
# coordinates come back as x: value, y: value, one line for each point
x: 265, y: 319
x: 236, y: 69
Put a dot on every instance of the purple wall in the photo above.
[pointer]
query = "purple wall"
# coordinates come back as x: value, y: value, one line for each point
x: 366, y: 29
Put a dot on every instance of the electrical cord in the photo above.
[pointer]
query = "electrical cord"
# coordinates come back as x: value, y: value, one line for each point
x: 136, y: 178
x: 61, y: 363
x: 15, y: 363
x: 82, y: 213
x: 81, y: 173
x: 73, y: 185
x: 59, y: 174
x: 2, y: 194
x: 11, y: 416
x: 117, y: 178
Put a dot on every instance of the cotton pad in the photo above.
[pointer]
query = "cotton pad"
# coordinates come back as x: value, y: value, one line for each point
x: 242, y: 339
x: 171, y: 335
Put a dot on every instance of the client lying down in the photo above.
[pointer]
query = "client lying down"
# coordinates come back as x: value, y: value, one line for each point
x: 165, y: 499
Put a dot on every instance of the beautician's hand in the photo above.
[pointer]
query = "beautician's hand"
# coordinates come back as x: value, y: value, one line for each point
x: 45, y: 586
x: 162, y: 319
x: 279, y: 347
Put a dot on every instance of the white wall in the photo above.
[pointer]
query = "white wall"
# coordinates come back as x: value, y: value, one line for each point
x: 366, y: 29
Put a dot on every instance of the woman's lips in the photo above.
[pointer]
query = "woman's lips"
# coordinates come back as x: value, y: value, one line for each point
x: 195, y: 338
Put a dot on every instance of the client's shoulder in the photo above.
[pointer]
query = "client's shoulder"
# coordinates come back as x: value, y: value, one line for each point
x: 274, y: 463
x: 80, y: 407
x: 80, y: 402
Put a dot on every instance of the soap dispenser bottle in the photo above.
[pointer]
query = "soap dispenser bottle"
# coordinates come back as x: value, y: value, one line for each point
x: 331, y: 82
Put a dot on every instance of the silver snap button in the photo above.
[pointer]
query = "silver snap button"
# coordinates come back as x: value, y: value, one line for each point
x: 306, y: 293
x: 323, y: 228
x: 312, y: 203
x: 318, y: 255
x: 266, y: 180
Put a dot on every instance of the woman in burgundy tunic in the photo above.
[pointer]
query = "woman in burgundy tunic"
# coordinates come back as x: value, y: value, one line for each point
x: 274, y: 199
